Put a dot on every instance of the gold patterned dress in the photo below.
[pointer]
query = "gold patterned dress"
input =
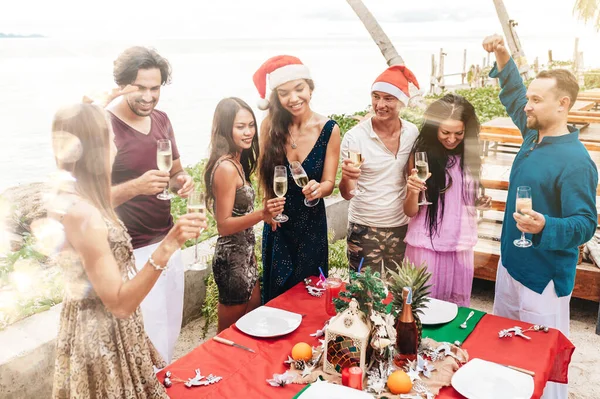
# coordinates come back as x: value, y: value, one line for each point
x: 97, y: 354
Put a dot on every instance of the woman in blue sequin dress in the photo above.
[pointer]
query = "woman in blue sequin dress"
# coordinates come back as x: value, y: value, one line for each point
x: 297, y: 248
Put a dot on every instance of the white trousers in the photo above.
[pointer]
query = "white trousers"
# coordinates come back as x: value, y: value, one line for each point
x: 162, y: 309
x: 515, y: 301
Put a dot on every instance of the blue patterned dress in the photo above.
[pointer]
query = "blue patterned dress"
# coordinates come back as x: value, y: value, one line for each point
x: 298, y: 247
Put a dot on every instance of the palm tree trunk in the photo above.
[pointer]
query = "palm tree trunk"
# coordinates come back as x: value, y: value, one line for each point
x: 512, y: 39
x: 383, y: 42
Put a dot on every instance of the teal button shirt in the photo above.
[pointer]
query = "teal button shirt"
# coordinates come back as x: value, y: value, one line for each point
x: 563, y: 180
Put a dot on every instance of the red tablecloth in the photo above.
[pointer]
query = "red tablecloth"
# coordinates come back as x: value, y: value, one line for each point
x: 245, y: 374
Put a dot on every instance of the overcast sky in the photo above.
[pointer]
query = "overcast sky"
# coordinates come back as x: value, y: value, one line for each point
x: 282, y: 18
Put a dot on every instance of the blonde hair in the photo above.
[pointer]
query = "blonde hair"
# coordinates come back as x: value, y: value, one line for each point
x: 81, y: 144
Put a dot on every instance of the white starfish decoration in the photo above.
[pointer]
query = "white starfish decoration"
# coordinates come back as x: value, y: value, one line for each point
x: 196, y: 381
x: 413, y: 374
x: 377, y: 379
x: 390, y: 327
x: 307, y: 370
x: 314, y: 291
x: 424, y: 367
x: 281, y: 380
x: 319, y: 333
x: 289, y: 360
x: 442, y: 351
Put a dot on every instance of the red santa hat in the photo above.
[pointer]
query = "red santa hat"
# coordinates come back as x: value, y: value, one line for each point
x: 396, y: 81
x: 281, y: 69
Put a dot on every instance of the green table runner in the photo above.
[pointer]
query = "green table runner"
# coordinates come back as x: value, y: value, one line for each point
x: 451, y: 331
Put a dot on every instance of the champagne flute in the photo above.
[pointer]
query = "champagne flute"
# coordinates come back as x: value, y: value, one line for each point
x: 164, y: 162
x: 280, y: 187
x: 355, y: 156
x: 524, y: 201
x: 301, y: 179
x: 422, y: 165
x: 196, y: 204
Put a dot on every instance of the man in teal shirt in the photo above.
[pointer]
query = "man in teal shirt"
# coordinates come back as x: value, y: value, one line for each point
x: 534, y: 284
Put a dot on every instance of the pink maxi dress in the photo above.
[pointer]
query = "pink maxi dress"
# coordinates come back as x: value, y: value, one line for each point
x: 449, y: 254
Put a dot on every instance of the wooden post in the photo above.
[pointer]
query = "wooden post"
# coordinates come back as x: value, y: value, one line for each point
x: 598, y: 323
x: 536, y: 65
x: 441, y: 81
x: 549, y: 58
x: 580, y: 71
x: 433, y: 77
x: 464, y: 73
x: 576, y: 57
x: 488, y: 61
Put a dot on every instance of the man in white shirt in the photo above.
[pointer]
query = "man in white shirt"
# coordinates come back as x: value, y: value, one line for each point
x: 377, y: 187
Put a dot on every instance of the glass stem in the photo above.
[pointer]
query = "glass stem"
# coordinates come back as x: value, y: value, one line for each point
x: 522, y: 236
x: 196, y: 251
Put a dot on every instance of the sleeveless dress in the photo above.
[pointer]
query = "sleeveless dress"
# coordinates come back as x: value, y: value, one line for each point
x: 449, y: 255
x: 97, y: 354
x: 234, y: 262
x: 298, y: 247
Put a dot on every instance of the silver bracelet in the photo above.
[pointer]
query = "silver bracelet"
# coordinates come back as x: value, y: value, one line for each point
x: 157, y: 267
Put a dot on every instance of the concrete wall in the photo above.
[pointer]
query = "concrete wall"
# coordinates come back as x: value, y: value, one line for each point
x: 27, y: 348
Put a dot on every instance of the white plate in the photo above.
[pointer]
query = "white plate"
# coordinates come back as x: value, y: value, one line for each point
x: 438, y: 312
x: 320, y: 390
x: 480, y: 379
x: 266, y: 321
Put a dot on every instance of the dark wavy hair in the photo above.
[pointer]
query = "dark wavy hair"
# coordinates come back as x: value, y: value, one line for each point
x: 454, y: 107
x: 130, y: 61
x: 221, y: 142
x: 275, y: 134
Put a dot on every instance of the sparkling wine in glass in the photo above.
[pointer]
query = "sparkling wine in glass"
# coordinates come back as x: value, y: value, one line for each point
x: 196, y: 204
x: 280, y: 187
x: 355, y: 156
x: 301, y: 179
x: 422, y: 166
x: 164, y: 162
x: 524, y: 201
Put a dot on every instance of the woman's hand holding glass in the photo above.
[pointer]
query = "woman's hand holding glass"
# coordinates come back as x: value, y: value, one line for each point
x: 312, y: 190
x: 273, y: 207
x: 414, y: 184
x: 187, y: 227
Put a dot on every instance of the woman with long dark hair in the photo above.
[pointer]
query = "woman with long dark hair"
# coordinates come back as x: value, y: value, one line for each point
x: 233, y: 157
x: 294, y: 136
x: 102, y: 350
x: 443, y: 233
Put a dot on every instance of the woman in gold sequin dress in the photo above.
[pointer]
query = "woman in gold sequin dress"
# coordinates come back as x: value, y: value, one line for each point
x: 102, y: 350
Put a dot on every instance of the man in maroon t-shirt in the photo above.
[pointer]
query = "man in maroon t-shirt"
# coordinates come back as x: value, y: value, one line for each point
x: 137, y: 181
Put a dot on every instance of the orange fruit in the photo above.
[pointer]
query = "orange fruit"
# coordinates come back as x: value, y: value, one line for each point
x: 302, y: 351
x: 399, y: 382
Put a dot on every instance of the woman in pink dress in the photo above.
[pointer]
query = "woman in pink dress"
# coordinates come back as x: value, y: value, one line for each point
x: 443, y: 233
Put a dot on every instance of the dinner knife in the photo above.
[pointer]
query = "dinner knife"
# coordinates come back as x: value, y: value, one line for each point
x: 231, y: 343
x: 519, y: 369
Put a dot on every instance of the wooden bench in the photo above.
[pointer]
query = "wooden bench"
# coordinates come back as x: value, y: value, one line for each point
x: 487, y: 251
x: 512, y: 139
x: 590, y: 132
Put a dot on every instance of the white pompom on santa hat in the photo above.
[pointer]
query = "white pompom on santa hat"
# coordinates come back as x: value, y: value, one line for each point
x: 281, y: 69
x: 396, y: 80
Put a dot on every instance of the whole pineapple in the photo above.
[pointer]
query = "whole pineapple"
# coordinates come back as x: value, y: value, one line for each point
x: 416, y: 277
